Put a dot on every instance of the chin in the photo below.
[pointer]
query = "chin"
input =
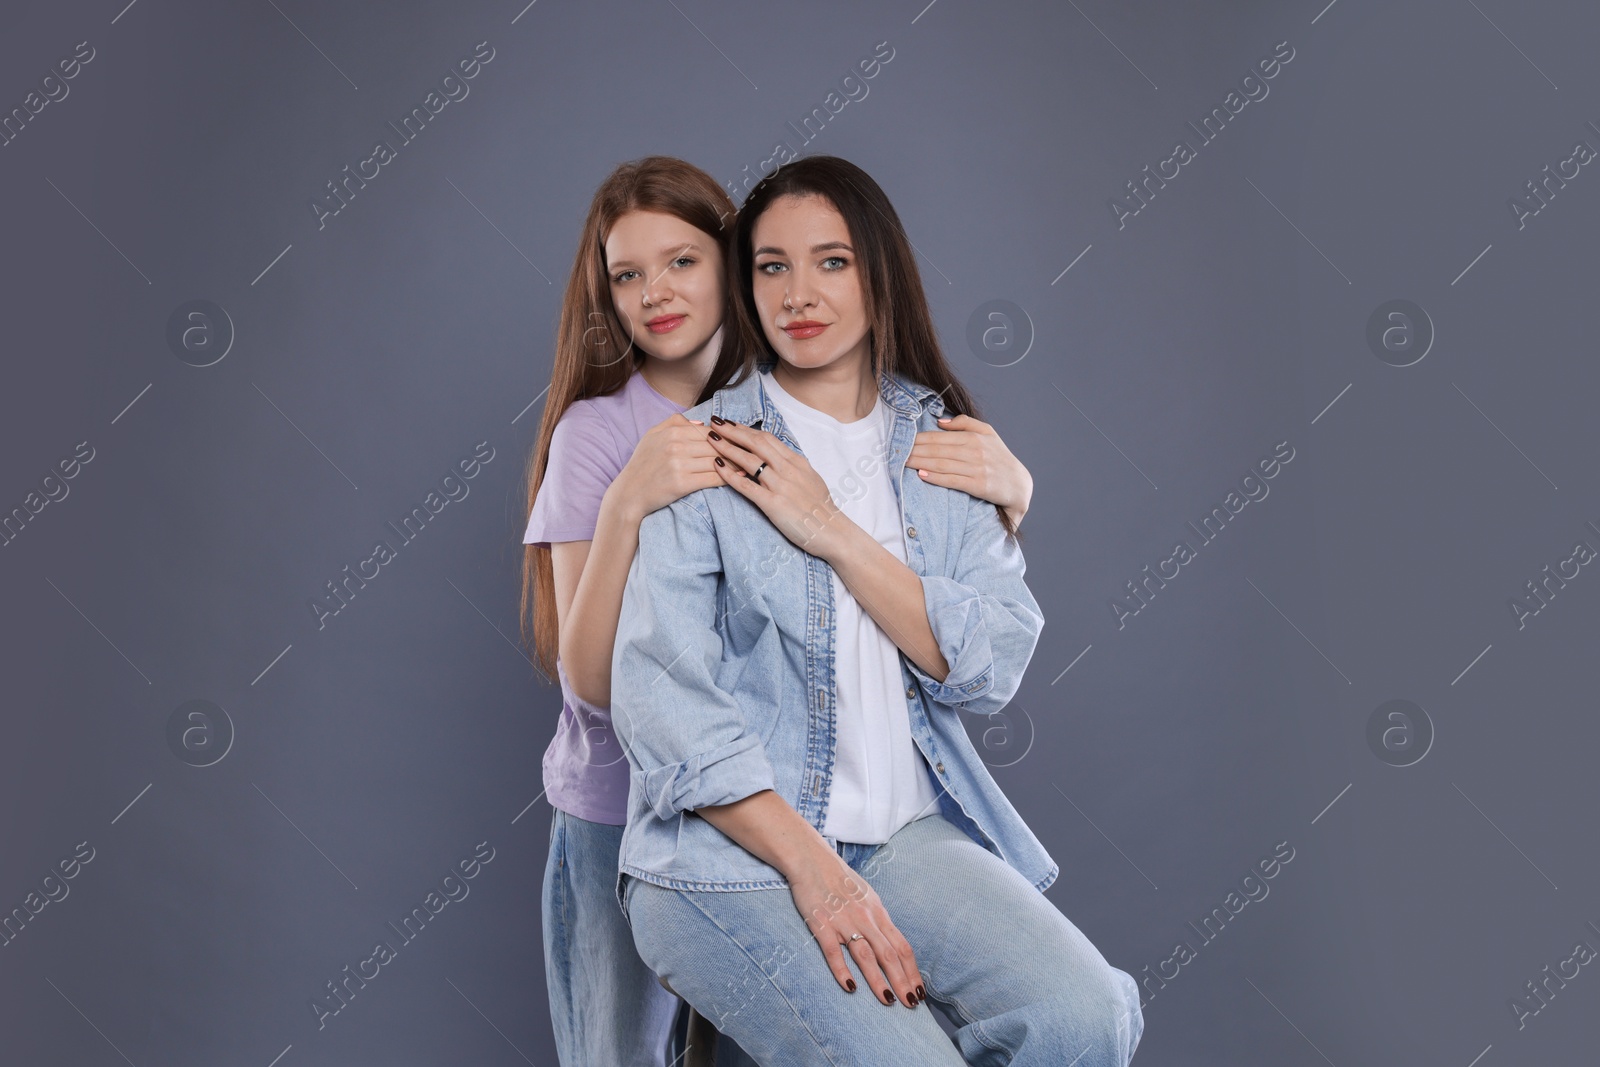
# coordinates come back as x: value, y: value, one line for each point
x: 808, y: 360
x: 672, y: 347
x: 690, y: 348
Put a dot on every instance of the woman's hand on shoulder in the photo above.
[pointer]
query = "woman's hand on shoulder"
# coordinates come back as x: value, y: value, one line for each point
x: 672, y: 460
x: 788, y: 490
x: 967, y: 454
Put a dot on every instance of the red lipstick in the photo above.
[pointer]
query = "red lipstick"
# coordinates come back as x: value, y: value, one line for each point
x: 803, y: 328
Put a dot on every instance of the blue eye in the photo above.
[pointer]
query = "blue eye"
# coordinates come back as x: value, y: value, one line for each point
x: 624, y: 276
x: 840, y: 260
x: 687, y: 261
x: 768, y: 268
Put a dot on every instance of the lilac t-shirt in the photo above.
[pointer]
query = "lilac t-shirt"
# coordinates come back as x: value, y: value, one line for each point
x: 585, y: 770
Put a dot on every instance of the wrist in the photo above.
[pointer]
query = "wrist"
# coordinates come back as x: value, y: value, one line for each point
x: 807, y: 859
x: 839, y: 540
x: 620, y: 503
x: 1020, y: 508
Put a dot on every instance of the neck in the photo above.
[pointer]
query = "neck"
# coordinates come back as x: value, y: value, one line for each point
x: 844, y: 389
x: 680, y: 380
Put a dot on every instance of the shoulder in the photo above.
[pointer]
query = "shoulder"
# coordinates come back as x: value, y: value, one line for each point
x: 931, y: 408
x: 701, y: 411
x: 596, y: 422
x: 582, y: 415
x: 928, y: 402
x: 685, y: 529
x: 586, y: 454
x: 592, y: 411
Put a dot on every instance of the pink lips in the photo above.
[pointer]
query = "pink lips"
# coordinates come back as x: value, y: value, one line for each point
x: 665, y: 323
x: 804, y: 328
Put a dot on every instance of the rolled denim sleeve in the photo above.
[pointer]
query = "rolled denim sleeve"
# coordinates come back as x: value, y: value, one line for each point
x: 686, y: 739
x: 984, y: 618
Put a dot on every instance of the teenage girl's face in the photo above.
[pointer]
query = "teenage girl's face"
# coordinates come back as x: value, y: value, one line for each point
x: 807, y: 284
x: 666, y: 283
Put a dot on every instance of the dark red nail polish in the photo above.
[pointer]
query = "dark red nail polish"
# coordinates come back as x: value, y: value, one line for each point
x: 719, y: 462
x: 888, y: 996
x: 850, y: 984
x: 718, y: 419
x: 920, y: 994
x: 715, y: 436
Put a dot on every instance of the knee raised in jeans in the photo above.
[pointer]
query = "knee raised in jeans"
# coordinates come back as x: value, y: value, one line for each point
x: 1092, y: 1019
x: 1130, y: 1018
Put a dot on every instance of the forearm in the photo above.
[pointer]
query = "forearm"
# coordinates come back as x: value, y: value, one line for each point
x: 891, y: 593
x: 589, y: 632
x: 987, y: 620
x: 766, y: 826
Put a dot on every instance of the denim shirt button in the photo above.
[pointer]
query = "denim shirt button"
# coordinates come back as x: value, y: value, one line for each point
x: 939, y: 766
x: 911, y: 531
x: 911, y: 692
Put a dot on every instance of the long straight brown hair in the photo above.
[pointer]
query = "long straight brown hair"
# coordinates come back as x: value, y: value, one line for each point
x: 904, y: 340
x: 594, y: 354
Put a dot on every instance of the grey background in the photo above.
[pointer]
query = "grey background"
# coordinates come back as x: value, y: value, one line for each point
x: 1228, y: 315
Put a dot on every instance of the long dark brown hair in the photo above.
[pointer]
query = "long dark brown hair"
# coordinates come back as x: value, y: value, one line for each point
x: 594, y: 354
x: 904, y: 340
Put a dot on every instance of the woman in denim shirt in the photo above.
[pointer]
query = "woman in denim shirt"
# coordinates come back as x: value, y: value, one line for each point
x: 744, y: 717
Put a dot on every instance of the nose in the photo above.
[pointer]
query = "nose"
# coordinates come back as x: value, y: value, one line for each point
x: 657, y: 291
x: 799, y: 295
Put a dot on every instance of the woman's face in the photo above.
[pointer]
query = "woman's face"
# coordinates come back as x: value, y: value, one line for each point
x: 666, y: 283
x: 807, y: 284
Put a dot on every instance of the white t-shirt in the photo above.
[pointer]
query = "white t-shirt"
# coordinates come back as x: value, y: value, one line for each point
x: 880, y: 778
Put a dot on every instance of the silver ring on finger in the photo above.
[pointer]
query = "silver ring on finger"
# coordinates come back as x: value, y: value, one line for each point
x: 853, y: 937
x: 755, y: 476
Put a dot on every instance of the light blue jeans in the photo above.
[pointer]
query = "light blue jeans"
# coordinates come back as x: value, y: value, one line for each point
x: 1018, y: 981
x: 606, y: 1006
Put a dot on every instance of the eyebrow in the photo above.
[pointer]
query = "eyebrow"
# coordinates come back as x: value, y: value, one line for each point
x: 769, y: 250
x: 673, y: 250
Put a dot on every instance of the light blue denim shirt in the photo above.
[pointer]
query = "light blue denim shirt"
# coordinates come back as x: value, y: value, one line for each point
x: 722, y: 673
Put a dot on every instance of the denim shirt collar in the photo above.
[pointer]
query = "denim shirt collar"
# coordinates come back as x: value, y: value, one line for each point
x: 748, y: 404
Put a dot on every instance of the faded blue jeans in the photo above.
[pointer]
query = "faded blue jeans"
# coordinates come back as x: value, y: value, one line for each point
x: 1018, y: 981
x: 606, y: 1006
